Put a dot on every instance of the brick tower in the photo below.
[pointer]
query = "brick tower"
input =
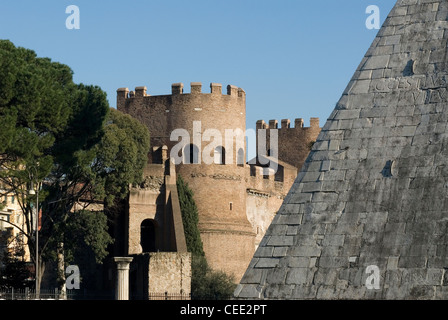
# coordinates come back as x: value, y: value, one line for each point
x: 219, y: 187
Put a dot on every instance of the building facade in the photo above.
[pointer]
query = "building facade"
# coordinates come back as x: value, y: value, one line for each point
x: 203, y: 134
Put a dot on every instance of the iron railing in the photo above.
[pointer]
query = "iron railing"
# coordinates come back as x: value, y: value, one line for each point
x: 30, y: 294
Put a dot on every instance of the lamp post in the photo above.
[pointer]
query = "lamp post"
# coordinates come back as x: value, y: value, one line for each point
x: 32, y: 192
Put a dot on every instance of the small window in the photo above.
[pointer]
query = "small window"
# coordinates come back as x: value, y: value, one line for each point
x: 191, y: 154
x: 231, y: 206
x: 267, y: 172
x: 12, y: 199
x: 240, y: 157
x: 220, y: 155
x: 272, y: 152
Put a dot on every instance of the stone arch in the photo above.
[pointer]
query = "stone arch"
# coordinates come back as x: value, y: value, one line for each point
x: 240, y: 157
x: 219, y: 155
x: 148, y: 235
x: 191, y: 154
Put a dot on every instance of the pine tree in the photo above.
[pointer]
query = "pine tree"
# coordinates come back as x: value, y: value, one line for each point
x: 15, y: 272
x: 61, y: 139
x: 206, y: 283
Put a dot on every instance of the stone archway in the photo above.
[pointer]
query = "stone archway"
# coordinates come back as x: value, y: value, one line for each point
x: 148, y: 229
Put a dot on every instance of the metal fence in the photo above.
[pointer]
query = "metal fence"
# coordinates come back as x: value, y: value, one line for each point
x: 55, y: 294
x: 30, y: 294
x: 168, y: 296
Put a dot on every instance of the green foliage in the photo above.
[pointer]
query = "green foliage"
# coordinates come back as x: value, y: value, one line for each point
x: 34, y: 101
x: 65, y: 136
x: 34, y: 107
x: 190, y: 218
x: 121, y: 155
x: 74, y: 148
x: 15, y: 273
x: 85, y: 243
x: 86, y: 236
x: 206, y: 283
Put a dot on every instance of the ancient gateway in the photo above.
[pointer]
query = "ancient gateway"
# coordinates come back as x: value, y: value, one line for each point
x: 236, y: 200
x: 367, y: 217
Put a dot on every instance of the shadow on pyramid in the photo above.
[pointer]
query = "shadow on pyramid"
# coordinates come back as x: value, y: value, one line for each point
x: 367, y: 217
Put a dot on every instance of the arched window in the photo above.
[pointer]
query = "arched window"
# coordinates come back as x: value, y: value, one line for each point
x: 148, y: 235
x: 220, y: 155
x: 191, y: 154
x: 240, y: 157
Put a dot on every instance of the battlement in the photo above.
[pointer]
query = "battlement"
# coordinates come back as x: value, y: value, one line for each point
x: 286, y: 124
x: 178, y: 88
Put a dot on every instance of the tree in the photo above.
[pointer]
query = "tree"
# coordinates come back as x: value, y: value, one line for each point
x: 121, y: 156
x: 85, y: 242
x: 15, y: 272
x: 38, y: 100
x: 206, y: 283
x: 63, y: 137
x: 209, y: 284
x: 190, y: 218
x: 114, y: 162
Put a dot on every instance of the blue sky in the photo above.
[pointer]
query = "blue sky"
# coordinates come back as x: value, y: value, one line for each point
x: 293, y: 58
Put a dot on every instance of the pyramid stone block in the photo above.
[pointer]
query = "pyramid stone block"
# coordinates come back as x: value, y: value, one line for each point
x: 367, y: 217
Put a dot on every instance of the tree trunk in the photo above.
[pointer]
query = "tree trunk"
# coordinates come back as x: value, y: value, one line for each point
x: 41, y: 274
x: 61, y: 271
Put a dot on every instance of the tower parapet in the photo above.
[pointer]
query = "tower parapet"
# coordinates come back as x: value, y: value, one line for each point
x: 177, y: 89
x: 164, y: 113
x: 293, y: 142
x: 286, y: 124
x: 140, y: 91
x: 196, y: 87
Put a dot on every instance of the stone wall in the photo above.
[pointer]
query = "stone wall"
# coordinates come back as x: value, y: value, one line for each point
x: 146, y: 202
x: 169, y: 272
x: 219, y: 189
x: 293, y: 142
x: 155, y: 200
x: 236, y: 202
x: 265, y: 194
x: 160, y: 273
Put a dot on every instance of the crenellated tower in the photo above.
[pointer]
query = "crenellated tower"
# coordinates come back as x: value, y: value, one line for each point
x: 219, y: 187
x: 294, y: 143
